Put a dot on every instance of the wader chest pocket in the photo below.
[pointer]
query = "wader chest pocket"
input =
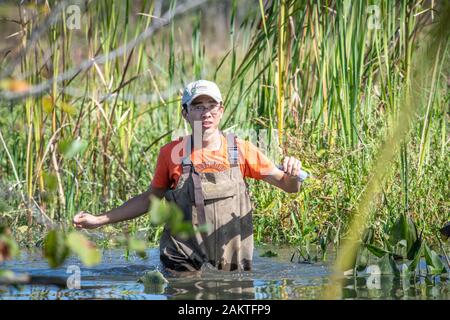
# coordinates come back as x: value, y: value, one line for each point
x: 218, y: 191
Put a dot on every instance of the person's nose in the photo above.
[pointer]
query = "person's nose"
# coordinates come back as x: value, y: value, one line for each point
x: 206, y: 114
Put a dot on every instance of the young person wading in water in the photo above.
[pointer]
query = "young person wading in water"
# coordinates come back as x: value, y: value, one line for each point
x: 204, y: 174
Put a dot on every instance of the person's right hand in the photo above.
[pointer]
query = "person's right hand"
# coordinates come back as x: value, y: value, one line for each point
x: 86, y: 221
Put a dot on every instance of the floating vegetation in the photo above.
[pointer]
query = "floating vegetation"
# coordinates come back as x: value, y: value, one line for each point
x: 269, y: 254
x: 154, y: 282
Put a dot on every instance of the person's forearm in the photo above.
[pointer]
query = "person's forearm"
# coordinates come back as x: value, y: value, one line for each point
x: 129, y: 210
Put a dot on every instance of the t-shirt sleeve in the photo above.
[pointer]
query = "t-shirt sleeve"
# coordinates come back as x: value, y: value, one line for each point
x: 161, y: 178
x: 257, y: 165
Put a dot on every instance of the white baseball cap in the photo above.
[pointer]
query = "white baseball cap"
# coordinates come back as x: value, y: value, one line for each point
x: 198, y: 88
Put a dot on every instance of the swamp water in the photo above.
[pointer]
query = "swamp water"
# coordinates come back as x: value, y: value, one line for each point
x: 272, y: 278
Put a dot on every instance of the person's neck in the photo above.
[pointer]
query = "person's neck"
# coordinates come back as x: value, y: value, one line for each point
x: 212, y: 141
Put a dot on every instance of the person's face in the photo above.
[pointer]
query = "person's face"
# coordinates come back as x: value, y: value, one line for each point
x: 205, y: 110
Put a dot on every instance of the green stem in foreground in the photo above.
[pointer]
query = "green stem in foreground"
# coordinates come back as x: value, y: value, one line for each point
x: 409, y: 105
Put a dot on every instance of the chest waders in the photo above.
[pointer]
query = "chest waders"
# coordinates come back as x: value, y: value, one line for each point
x: 220, y: 200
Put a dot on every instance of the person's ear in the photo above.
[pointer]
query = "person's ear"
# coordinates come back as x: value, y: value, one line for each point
x: 222, y: 109
x: 184, y: 113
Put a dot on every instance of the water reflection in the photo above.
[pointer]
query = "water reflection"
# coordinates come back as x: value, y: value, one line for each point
x: 210, y: 289
x: 391, y: 287
x: 272, y: 278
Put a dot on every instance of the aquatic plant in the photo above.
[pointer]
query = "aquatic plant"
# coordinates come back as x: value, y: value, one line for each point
x: 400, y: 252
x: 154, y: 282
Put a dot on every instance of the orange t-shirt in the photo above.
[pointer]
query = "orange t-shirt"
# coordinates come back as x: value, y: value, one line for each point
x: 253, y: 163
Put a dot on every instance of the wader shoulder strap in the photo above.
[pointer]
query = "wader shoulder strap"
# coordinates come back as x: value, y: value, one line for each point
x: 186, y: 161
x: 199, y: 199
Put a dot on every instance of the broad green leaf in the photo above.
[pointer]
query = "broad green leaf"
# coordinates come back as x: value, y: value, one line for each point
x: 415, y: 249
x: 84, y: 249
x: 55, y: 249
x: 70, y: 148
x: 159, y: 211
x: 401, y: 248
x: 415, y: 261
x: 403, y: 235
x: 183, y: 230
x: 379, y: 252
x: 175, y: 218
x: 398, y: 231
x: 204, y: 228
x: 412, y: 230
x: 165, y: 212
x: 434, y: 262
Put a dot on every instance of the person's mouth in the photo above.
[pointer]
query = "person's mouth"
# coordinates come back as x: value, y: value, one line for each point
x: 207, y: 124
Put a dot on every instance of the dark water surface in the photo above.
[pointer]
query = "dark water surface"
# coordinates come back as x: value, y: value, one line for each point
x: 272, y: 278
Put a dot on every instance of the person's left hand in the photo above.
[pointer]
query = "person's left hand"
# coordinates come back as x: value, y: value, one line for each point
x: 291, y: 166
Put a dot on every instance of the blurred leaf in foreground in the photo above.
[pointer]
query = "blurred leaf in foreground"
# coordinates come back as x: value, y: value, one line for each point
x: 55, y: 249
x: 47, y: 104
x: 140, y: 246
x: 14, y: 85
x: 8, y: 247
x: 85, y: 249
x: 165, y: 212
x: 70, y: 148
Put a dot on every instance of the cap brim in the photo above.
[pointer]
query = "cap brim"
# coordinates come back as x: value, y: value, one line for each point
x: 202, y: 94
